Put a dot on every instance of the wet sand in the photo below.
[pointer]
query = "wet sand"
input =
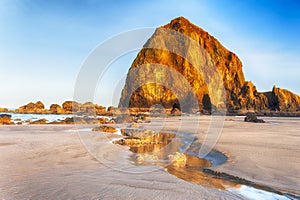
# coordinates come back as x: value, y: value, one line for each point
x: 49, y: 161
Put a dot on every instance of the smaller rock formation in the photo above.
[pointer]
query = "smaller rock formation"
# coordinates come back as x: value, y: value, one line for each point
x: 111, y: 110
x: 70, y: 106
x: 142, y: 118
x: 39, y: 121
x: 107, y: 129
x: 84, y: 120
x: 56, y: 109
x: 87, y: 108
x: 5, y: 119
x: 252, y: 117
x: 123, y: 119
x: 3, y: 110
x: 176, y: 109
x: 100, y: 110
x: 31, y: 108
x: 284, y: 100
x: 91, y: 109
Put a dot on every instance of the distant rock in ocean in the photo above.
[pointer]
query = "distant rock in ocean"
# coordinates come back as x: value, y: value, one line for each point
x: 3, y: 110
x: 37, y: 107
x: 5, y: 119
x: 68, y: 107
x: 211, y: 56
x: 56, y: 109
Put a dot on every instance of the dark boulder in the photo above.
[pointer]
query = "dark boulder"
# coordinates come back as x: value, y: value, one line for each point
x: 252, y: 117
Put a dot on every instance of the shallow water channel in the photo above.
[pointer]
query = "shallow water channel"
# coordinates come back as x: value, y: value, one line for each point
x: 179, y: 156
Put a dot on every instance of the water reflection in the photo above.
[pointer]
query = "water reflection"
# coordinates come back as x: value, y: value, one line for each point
x: 180, y: 158
x: 166, y: 149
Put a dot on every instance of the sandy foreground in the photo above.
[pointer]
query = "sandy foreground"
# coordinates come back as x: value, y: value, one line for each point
x: 71, y: 162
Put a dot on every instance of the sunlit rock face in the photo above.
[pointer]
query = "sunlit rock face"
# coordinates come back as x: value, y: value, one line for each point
x: 284, y: 100
x: 183, y: 64
x: 31, y: 107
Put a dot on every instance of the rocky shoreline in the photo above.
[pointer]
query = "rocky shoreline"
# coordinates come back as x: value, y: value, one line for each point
x: 68, y: 107
x: 91, y: 109
x: 90, y: 113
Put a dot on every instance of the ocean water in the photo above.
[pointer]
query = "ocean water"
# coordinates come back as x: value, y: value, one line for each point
x: 16, y: 117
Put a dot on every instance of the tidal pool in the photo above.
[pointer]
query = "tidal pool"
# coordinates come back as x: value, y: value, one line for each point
x: 179, y: 156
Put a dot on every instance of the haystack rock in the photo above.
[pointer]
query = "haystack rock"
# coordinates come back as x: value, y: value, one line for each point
x: 183, y: 64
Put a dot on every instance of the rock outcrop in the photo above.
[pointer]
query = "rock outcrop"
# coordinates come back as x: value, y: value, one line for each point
x: 37, y: 107
x: 56, y: 109
x: 252, y: 117
x: 3, y: 110
x: 5, y: 119
x: 83, y: 120
x: 283, y: 100
x: 93, y: 109
x: 179, y: 56
x: 107, y: 129
x: 39, y: 121
x: 68, y: 107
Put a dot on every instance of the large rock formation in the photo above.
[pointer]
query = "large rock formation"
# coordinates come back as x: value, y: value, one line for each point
x: 180, y: 55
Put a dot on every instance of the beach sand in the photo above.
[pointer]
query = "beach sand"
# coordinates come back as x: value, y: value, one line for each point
x: 51, y: 162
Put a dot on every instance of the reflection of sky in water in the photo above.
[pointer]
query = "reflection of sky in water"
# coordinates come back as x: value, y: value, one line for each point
x: 253, y: 193
x: 48, y: 117
x: 173, y: 146
x: 33, y: 117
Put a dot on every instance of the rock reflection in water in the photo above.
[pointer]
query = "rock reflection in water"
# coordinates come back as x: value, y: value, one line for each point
x: 159, y: 148
x: 195, y: 175
x: 154, y: 150
x: 162, y: 149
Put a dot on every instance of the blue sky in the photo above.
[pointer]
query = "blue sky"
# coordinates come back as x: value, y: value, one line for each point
x: 44, y: 43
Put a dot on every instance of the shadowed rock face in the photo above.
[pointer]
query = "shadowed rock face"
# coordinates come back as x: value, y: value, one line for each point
x: 213, y: 73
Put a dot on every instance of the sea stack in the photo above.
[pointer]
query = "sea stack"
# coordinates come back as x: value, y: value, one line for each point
x: 205, y: 65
